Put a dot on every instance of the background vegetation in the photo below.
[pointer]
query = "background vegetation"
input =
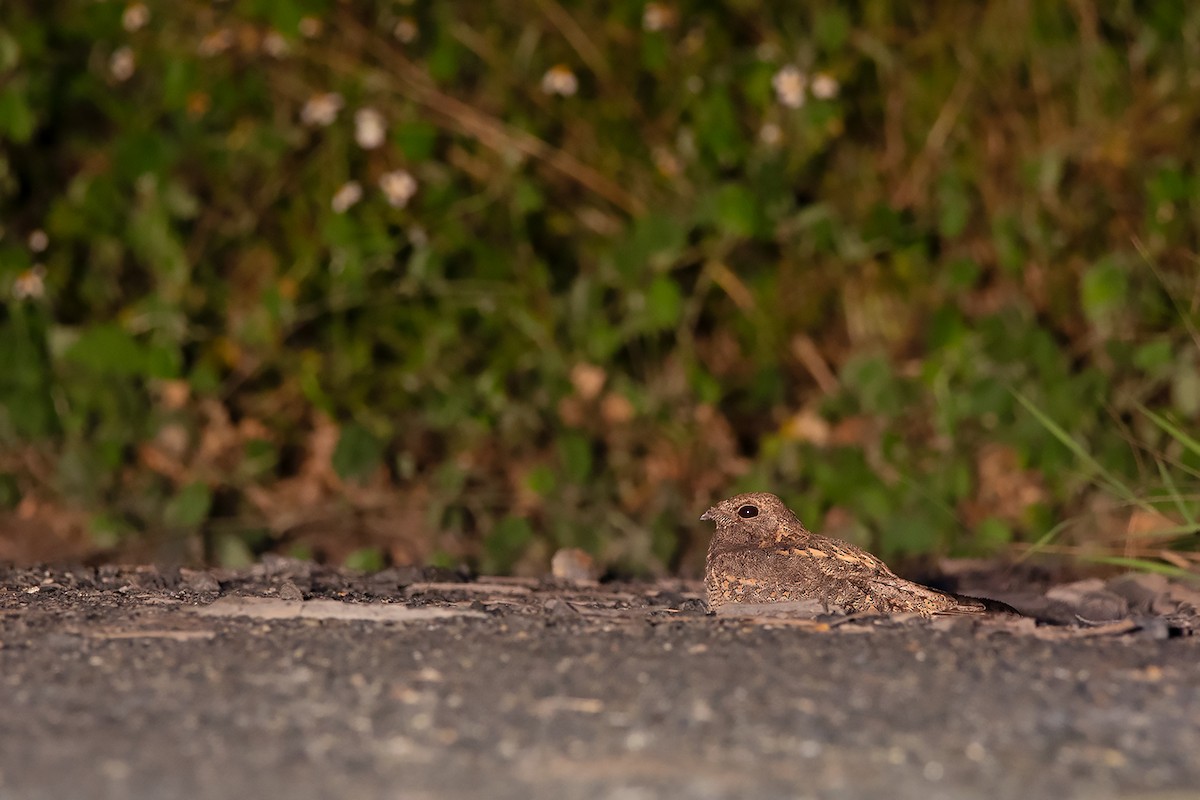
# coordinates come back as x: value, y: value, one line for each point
x: 466, y: 282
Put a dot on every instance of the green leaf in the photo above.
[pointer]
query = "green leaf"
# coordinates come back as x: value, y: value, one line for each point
x: 27, y: 380
x: 141, y: 156
x: 1153, y: 356
x: 189, y: 507
x: 365, y: 559
x: 443, y: 61
x: 655, y: 52
x: 309, y: 379
x: 655, y: 241
x: 717, y: 127
x: 358, y: 452
x: 527, y: 199
x: 416, y: 140
x: 179, y: 80
x: 16, y: 117
x: 541, y: 480
x: 736, y: 211
x: 661, y: 236
x: 962, y: 273
x: 1168, y: 185
x: 506, y: 543
x: 664, y: 303
x: 259, y: 459
x: 108, y: 349
x: 831, y: 29
x: 872, y: 381
x: 1105, y: 287
x: 1010, y: 246
x: 954, y: 208
x: 108, y: 530
x: 664, y: 541
x: 575, y: 453
x: 232, y: 551
x: 992, y: 534
x: 284, y: 15
x: 301, y: 552
x: 443, y: 559
x: 947, y: 327
x: 909, y: 533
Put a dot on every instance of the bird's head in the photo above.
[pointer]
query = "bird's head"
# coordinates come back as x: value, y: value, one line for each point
x: 751, y: 518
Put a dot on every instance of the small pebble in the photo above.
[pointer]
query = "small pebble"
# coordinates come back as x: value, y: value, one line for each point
x: 200, y: 581
x: 573, y: 564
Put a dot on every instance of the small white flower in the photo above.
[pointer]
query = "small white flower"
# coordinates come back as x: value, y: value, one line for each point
x: 30, y: 284
x: 346, y: 196
x: 406, y: 30
x: 770, y: 134
x: 135, y: 17
x: 122, y: 64
x: 321, y: 109
x: 215, y: 42
x: 275, y: 45
x: 369, y: 128
x: 560, y: 80
x: 398, y: 186
x: 657, y: 17
x: 310, y: 27
x: 789, y: 84
x: 38, y: 240
x: 824, y: 86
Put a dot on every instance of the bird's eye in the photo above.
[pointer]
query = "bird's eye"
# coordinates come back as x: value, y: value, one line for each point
x: 748, y: 511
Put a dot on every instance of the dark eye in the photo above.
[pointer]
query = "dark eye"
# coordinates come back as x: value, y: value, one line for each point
x: 748, y: 511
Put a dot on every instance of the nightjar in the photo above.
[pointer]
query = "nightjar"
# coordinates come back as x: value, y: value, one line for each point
x: 762, y: 553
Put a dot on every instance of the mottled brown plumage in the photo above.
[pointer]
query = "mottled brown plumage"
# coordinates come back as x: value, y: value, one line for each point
x: 762, y: 553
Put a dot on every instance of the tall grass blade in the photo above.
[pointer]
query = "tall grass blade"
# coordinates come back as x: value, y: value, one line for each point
x: 1173, y: 492
x: 1171, y: 430
x: 1145, y: 565
x: 1068, y: 441
x: 1046, y: 539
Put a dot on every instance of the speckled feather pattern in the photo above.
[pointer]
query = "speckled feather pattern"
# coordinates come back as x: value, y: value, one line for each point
x: 771, y: 557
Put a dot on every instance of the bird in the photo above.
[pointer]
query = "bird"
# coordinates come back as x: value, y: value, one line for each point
x: 762, y: 553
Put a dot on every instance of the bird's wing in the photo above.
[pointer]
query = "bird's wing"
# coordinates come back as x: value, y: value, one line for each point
x: 834, y: 559
x: 855, y: 577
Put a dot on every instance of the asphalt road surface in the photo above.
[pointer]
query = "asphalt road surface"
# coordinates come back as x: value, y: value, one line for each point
x: 292, y: 681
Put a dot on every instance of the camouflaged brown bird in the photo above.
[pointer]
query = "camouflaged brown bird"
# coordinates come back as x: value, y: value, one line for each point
x: 762, y: 553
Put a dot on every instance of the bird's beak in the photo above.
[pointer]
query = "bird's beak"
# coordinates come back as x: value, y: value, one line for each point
x: 708, y: 515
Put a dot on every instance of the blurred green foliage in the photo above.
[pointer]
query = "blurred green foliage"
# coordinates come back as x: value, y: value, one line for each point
x: 478, y: 280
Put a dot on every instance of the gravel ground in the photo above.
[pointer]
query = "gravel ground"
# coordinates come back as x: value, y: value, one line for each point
x: 294, y: 681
